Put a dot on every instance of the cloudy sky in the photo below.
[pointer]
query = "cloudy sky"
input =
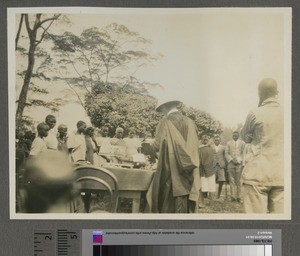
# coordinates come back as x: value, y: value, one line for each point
x: 213, y: 58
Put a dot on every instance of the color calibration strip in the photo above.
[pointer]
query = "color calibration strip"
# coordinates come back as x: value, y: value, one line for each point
x: 89, y: 242
x: 97, y: 241
x: 191, y: 250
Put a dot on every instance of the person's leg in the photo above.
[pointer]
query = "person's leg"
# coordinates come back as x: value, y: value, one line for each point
x: 195, y: 194
x: 220, y: 179
x: 238, y: 174
x: 201, y: 200
x: 166, y: 201
x: 181, y: 204
x: 192, y: 206
x: 211, y: 186
x: 255, y: 199
x: 220, y: 186
x: 204, y: 187
x: 276, y: 200
x: 231, y: 176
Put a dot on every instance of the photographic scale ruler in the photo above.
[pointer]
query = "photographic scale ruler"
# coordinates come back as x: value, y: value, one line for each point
x: 157, y: 242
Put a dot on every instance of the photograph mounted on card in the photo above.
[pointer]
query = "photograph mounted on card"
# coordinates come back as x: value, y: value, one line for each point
x: 136, y: 113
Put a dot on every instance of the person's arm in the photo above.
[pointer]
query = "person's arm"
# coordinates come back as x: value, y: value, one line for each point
x: 139, y: 145
x: 71, y: 143
x: 244, y: 155
x: 227, y: 153
x: 248, y: 127
x: 158, y: 135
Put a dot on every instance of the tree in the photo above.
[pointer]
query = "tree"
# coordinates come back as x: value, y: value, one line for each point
x: 128, y: 107
x: 36, y: 33
x: 123, y: 108
x: 19, y: 31
x: 111, y: 55
x: 205, y: 123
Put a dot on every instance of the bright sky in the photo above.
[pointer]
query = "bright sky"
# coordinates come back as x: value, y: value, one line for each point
x: 213, y: 58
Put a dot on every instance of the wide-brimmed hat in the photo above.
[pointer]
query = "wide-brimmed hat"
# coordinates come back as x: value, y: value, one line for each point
x: 162, y: 102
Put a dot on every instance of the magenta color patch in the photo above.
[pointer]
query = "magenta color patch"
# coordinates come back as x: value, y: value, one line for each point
x: 97, y: 237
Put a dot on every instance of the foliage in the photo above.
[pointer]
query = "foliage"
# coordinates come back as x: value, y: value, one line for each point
x: 227, y: 132
x: 99, y: 67
x: 25, y: 124
x: 123, y: 109
x: 96, y: 57
x: 133, y: 109
x: 205, y: 123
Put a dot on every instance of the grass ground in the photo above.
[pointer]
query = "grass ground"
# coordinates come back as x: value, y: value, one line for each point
x: 223, y: 204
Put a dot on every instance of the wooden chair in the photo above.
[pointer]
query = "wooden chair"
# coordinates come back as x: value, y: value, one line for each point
x: 92, y: 179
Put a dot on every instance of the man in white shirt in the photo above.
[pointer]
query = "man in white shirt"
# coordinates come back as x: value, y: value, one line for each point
x: 76, y: 143
x: 234, y: 156
x: 51, y: 139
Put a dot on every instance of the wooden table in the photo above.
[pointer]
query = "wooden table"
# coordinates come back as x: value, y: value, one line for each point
x: 132, y: 182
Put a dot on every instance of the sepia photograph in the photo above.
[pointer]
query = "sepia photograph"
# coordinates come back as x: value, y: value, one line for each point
x: 136, y: 113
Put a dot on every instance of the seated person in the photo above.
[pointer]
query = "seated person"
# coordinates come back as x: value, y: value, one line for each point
x: 117, y: 140
x: 49, y: 184
x: 133, y: 144
x: 104, y: 139
x: 119, y: 150
x: 147, y: 150
x: 133, y: 149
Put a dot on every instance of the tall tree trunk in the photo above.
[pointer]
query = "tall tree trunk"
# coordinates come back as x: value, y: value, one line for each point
x: 32, y: 34
x: 25, y: 87
x: 19, y: 30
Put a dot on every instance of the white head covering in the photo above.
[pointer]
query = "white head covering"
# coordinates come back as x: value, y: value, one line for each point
x: 163, y: 101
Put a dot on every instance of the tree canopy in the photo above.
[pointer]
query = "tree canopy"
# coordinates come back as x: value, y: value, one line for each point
x: 100, y: 56
x: 99, y: 68
x: 134, y: 109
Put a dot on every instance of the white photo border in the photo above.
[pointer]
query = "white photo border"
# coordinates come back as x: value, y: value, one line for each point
x: 11, y: 12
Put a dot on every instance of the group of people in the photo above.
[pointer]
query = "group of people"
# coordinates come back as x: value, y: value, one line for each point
x: 187, y: 172
x: 254, y: 164
x: 222, y: 164
x: 86, y: 143
x: 45, y: 162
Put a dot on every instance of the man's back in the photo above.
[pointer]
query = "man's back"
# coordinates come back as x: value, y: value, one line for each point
x: 268, y: 127
x: 265, y: 123
x: 180, y: 122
